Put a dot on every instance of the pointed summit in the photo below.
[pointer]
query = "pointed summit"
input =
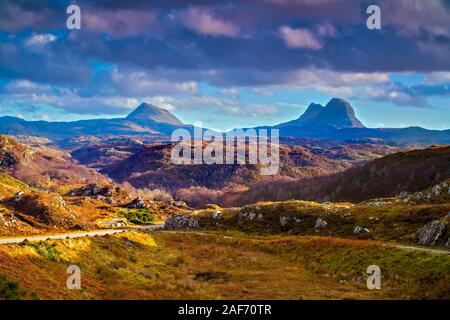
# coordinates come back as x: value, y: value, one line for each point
x: 149, y: 112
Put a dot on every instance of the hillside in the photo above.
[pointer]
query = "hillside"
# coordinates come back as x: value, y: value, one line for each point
x: 408, y: 171
x: 43, y: 166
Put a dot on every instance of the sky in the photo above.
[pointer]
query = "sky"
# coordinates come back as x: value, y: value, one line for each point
x: 226, y: 63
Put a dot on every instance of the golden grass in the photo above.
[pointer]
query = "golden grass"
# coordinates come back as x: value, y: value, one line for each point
x: 189, y: 265
x: 167, y: 266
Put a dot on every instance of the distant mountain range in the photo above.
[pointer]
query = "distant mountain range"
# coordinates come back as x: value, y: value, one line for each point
x: 145, y: 119
x: 334, y: 121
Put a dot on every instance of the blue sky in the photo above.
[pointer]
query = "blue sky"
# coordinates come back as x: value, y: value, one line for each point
x: 227, y: 63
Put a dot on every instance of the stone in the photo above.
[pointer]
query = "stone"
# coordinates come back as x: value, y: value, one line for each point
x: 284, y: 221
x: 247, y: 215
x: 137, y: 203
x: 359, y: 229
x: 431, y: 233
x: 179, y: 204
x: 179, y: 222
x: 436, y: 191
x: 216, y: 215
x: 320, y: 223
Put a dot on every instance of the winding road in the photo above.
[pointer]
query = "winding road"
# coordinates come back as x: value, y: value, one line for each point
x: 153, y: 227
x: 80, y: 234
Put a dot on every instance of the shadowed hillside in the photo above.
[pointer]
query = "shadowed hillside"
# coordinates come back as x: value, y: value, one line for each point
x: 409, y: 171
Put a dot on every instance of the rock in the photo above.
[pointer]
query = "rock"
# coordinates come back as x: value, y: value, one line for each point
x: 320, y: 223
x: 181, y: 222
x: 284, y: 221
x: 117, y: 222
x: 93, y: 189
x: 378, y: 203
x: 17, y: 197
x: 247, y: 215
x: 436, y: 191
x: 179, y: 204
x: 109, y: 200
x: 216, y: 215
x: 137, y: 203
x: 403, y: 194
x: 359, y: 229
x: 431, y: 233
x: 448, y: 243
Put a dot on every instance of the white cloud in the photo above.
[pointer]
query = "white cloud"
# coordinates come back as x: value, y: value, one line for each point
x: 141, y: 83
x: 300, y: 38
x: 205, y: 22
x: 437, y: 77
x: 40, y: 39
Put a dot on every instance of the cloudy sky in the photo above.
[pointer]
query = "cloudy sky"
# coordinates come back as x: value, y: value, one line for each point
x: 227, y: 63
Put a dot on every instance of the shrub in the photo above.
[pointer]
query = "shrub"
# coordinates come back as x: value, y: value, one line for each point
x: 46, y: 250
x: 9, y: 290
x: 139, y: 216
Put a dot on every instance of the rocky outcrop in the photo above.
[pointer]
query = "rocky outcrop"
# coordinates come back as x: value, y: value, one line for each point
x: 95, y: 189
x: 439, y: 192
x: 431, y: 233
x: 181, y: 222
x: 47, y: 208
x: 137, y: 203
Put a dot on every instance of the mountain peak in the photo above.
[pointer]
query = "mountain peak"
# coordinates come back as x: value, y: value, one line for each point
x: 337, y: 113
x: 146, y: 112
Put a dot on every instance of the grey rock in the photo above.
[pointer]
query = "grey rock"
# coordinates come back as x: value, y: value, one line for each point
x: 137, y: 203
x: 284, y: 221
x: 431, y: 233
x: 180, y: 222
x: 436, y: 191
x: 320, y: 223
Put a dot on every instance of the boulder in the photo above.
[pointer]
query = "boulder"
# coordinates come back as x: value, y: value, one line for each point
x: 359, y: 229
x: 284, y: 221
x: 320, y: 223
x: 431, y: 233
x: 137, y: 203
x: 436, y: 191
x: 179, y: 204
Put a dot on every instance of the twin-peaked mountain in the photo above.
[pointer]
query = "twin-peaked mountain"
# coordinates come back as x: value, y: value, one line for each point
x: 337, y: 113
x: 334, y: 121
